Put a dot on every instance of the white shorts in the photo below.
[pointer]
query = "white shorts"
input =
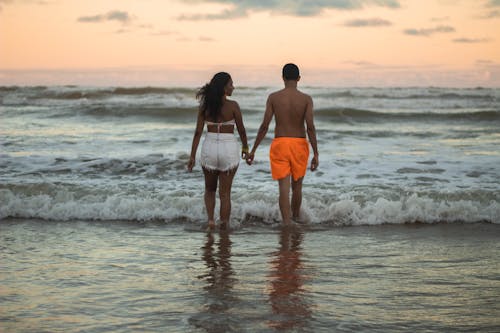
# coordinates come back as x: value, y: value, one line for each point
x: 220, y: 152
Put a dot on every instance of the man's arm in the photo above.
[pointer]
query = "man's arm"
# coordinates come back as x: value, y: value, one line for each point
x: 311, y: 133
x: 241, y: 130
x: 268, y: 116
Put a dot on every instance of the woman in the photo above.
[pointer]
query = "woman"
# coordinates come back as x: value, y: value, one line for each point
x: 219, y: 153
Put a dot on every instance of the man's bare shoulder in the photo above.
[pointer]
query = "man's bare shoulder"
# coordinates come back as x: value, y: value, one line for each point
x: 275, y: 94
x: 304, y: 95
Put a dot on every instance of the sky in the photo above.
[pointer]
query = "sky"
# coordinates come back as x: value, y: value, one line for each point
x: 453, y: 43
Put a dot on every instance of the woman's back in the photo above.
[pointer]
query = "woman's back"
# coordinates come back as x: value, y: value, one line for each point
x: 225, y: 121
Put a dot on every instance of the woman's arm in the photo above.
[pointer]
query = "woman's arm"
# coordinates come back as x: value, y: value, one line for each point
x: 200, y: 123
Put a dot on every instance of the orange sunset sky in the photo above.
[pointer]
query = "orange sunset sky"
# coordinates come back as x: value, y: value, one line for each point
x: 182, y: 42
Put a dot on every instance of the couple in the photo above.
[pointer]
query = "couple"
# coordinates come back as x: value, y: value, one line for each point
x: 289, y: 150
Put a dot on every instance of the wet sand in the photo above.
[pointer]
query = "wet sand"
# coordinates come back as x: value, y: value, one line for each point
x: 118, y: 276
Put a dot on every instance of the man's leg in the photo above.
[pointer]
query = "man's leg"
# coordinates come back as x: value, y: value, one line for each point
x: 296, y: 197
x: 284, y: 199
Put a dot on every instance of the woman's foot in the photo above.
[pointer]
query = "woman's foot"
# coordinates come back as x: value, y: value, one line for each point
x: 211, y: 225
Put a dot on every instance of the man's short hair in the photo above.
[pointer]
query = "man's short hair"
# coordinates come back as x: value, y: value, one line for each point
x: 291, y: 72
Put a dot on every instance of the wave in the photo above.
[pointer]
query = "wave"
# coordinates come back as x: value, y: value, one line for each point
x: 149, y: 111
x: 450, y: 96
x: 149, y: 166
x: 359, y: 114
x: 51, y: 201
x: 76, y: 92
x: 484, y: 94
x: 152, y: 90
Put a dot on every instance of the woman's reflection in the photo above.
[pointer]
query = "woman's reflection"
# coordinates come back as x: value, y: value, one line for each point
x: 287, y: 295
x: 219, y: 278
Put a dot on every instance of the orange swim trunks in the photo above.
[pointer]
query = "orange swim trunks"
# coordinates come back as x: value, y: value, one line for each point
x: 289, y: 156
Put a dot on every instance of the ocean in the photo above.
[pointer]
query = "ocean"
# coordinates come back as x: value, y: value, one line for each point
x: 102, y: 227
x: 387, y: 155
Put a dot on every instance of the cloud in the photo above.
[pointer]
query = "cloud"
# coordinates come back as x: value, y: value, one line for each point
x: 4, y: 2
x: 38, y: 2
x: 162, y: 33
x: 114, y: 15
x: 491, y: 15
x: 429, y: 31
x: 440, y: 19
x: 241, y: 8
x: 225, y: 15
x: 122, y: 31
x: 206, y: 39
x: 373, y: 22
x: 471, y: 40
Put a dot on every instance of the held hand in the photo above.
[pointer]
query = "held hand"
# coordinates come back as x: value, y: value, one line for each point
x: 191, y: 164
x: 314, y: 163
x: 250, y: 158
x: 244, y: 153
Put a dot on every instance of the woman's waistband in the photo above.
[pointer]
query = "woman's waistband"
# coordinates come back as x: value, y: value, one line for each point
x: 220, y: 136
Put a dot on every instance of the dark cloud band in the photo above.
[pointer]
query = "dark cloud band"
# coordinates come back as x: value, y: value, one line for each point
x: 373, y: 22
x: 429, y: 31
x: 241, y: 8
x: 114, y: 15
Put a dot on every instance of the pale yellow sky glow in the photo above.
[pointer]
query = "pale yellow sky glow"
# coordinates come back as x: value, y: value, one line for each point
x: 180, y: 42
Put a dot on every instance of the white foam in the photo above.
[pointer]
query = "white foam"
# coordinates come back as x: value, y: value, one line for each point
x: 64, y: 205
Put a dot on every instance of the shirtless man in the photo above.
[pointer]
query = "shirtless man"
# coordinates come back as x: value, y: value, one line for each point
x: 289, y: 150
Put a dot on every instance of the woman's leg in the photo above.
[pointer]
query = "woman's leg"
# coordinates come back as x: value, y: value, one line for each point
x: 211, y: 178
x: 226, y: 182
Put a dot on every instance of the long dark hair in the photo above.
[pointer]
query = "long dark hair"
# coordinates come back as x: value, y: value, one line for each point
x: 210, y: 95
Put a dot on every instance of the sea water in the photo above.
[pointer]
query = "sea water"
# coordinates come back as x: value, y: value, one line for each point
x: 387, y: 155
x: 101, y: 226
x: 81, y: 276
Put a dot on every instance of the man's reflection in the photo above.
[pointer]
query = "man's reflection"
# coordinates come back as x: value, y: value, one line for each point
x: 287, y: 295
x: 219, y: 278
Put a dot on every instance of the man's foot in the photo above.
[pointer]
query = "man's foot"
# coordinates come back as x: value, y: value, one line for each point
x: 303, y: 218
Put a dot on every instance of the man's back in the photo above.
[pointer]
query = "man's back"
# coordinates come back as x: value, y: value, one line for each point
x: 290, y: 107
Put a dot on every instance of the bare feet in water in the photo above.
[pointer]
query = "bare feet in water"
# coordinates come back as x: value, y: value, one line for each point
x: 211, y: 225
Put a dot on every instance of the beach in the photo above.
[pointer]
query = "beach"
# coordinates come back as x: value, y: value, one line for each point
x: 102, y: 229
x: 78, y: 276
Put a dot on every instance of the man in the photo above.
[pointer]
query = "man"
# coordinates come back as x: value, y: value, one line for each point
x: 289, y: 150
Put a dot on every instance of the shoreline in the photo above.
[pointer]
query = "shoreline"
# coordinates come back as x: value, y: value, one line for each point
x: 248, y: 224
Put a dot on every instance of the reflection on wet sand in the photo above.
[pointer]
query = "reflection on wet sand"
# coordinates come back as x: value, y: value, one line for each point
x: 219, y: 298
x: 290, y: 308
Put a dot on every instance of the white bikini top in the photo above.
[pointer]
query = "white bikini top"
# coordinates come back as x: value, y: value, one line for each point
x: 219, y: 125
